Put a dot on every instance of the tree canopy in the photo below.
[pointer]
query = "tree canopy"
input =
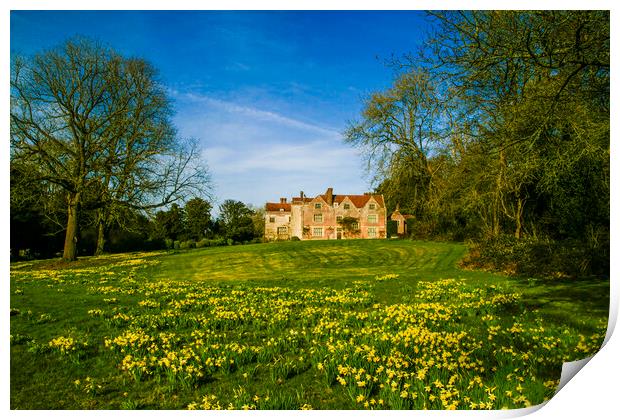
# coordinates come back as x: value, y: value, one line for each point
x: 498, y: 125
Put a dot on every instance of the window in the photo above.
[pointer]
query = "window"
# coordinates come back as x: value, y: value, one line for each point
x: 338, y: 219
x: 272, y: 219
x: 318, y: 218
x: 355, y: 226
x: 372, y: 218
x: 347, y: 206
x: 335, y: 205
x: 317, y: 205
x: 371, y: 206
x: 281, y: 209
x: 282, y: 230
x: 372, y: 232
x: 317, y: 232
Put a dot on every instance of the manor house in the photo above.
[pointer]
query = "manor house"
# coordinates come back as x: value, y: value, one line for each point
x: 326, y: 216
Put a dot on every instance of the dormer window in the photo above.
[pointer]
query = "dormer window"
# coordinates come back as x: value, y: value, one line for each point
x: 346, y: 206
x: 335, y: 205
x: 317, y: 205
x: 371, y: 206
x: 281, y: 209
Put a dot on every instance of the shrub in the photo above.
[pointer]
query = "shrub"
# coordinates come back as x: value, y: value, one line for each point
x: 219, y: 242
x: 202, y: 243
x: 538, y: 257
x: 177, y: 244
x: 295, y: 238
x: 410, y: 223
x: 169, y: 243
x: 392, y: 228
x: 188, y: 244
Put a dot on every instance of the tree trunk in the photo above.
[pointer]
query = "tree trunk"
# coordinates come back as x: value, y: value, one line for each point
x: 498, y: 194
x: 519, y: 218
x: 71, y: 237
x: 101, y: 238
x: 102, y: 233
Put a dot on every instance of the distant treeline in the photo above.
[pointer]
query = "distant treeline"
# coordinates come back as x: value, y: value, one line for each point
x: 35, y: 234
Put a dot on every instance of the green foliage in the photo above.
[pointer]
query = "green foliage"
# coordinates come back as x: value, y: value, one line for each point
x: 392, y: 228
x: 501, y: 129
x: 197, y: 218
x: 540, y: 257
x: 189, y: 244
x: 295, y: 238
x: 237, y: 221
x: 169, y: 223
x: 410, y: 223
x: 349, y: 225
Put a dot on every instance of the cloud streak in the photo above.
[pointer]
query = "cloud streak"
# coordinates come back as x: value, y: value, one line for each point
x: 258, y: 114
x: 257, y: 155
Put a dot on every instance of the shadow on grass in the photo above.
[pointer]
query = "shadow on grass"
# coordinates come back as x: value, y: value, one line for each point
x: 571, y: 302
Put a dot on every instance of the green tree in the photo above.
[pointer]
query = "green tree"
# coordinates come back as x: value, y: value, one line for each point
x: 170, y: 224
x: 521, y: 125
x: 533, y: 94
x: 236, y: 218
x: 258, y: 220
x: 197, y: 218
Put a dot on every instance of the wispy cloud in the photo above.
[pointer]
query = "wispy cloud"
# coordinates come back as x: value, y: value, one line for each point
x: 257, y: 155
x: 259, y: 114
x: 237, y: 66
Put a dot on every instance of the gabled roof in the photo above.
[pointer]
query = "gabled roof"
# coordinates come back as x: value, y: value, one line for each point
x: 404, y: 216
x: 358, y: 201
x: 278, y: 206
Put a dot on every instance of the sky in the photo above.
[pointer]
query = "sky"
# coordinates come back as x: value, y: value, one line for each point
x: 267, y: 93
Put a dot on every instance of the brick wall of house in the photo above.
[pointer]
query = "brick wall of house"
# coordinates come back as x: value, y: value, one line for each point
x: 278, y: 220
x: 317, y: 218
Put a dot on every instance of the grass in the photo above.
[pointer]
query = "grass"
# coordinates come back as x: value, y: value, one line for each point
x: 324, y: 325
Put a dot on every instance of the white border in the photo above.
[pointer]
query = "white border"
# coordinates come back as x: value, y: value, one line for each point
x: 593, y: 393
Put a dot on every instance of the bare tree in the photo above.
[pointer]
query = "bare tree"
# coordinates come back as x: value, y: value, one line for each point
x: 98, y: 125
x: 400, y: 131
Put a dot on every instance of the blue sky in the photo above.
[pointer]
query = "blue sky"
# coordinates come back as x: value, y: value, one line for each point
x: 267, y: 93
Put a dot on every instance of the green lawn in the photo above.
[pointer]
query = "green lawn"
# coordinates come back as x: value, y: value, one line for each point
x: 329, y: 324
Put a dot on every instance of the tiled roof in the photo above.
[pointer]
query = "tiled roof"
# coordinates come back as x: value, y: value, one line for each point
x: 277, y: 206
x: 358, y: 201
x: 397, y: 213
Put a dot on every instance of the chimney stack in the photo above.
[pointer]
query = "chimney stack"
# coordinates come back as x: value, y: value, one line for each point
x: 330, y: 196
x: 283, y: 200
x: 301, y: 194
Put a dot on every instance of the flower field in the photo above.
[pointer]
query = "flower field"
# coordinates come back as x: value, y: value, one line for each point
x: 126, y: 332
